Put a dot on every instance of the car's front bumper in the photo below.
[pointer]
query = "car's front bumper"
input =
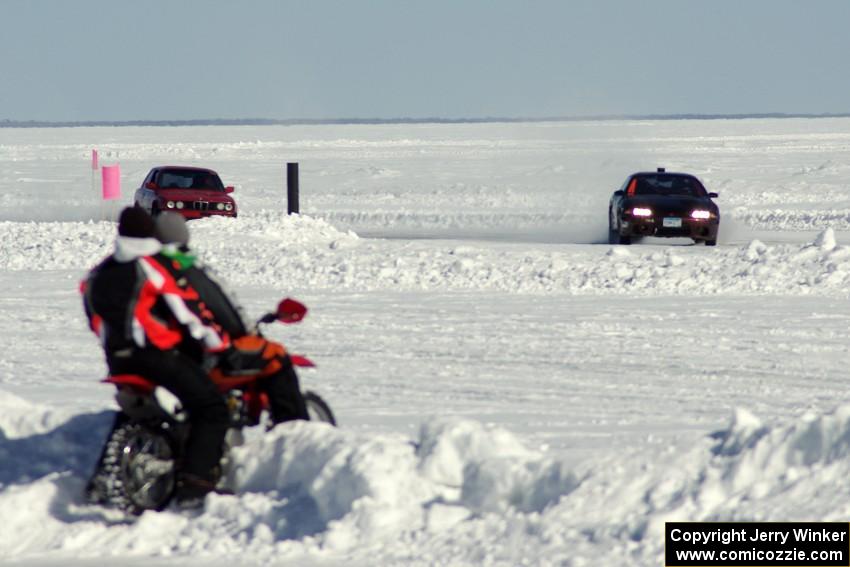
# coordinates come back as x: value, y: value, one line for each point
x: 192, y: 214
x: 655, y: 226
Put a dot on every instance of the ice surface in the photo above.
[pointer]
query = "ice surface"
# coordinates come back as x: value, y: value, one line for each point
x: 510, y: 388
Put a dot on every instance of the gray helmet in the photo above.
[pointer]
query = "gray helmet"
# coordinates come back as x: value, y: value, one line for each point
x: 171, y: 228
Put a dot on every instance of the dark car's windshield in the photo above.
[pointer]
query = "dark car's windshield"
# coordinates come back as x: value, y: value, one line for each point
x: 666, y: 184
x: 189, y: 179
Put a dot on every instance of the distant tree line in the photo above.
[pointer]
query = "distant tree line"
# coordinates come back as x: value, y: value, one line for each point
x: 7, y: 123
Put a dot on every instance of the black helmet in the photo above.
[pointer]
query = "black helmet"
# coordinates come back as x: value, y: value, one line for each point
x: 135, y: 223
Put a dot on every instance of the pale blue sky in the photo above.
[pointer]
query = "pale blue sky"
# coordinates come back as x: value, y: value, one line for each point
x: 195, y: 59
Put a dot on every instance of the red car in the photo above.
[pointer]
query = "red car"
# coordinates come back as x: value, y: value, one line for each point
x: 194, y: 192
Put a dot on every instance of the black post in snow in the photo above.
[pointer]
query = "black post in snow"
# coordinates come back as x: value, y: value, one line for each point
x: 292, y: 188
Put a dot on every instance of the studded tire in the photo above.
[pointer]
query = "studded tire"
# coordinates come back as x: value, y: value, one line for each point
x: 136, y: 472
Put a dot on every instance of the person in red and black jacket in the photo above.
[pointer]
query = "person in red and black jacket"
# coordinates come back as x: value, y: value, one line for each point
x: 250, y: 353
x: 140, y: 315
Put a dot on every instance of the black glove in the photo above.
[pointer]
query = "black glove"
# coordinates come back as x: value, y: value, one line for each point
x: 234, y: 361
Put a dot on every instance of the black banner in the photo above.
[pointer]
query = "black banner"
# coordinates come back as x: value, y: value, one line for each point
x: 757, y: 544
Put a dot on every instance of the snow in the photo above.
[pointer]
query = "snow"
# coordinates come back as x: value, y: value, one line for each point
x: 510, y: 388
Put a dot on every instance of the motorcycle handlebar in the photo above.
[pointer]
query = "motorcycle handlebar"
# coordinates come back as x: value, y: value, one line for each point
x: 288, y: 311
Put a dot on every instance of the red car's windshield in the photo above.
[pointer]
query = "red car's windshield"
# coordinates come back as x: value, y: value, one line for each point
x: 666, y: 184
x: 189, y: 179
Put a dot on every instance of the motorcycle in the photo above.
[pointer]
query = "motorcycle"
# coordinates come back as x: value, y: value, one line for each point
x: 138, y: 468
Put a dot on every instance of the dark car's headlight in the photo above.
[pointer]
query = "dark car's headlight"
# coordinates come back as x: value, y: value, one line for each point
x: 642, y: 212
x: 700, y: 214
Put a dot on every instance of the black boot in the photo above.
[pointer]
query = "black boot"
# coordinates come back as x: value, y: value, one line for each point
x: 285, y: 398
x: 191, y: 491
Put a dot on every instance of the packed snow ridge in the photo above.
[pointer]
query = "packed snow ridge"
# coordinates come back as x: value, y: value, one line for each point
x: 311, y: 488
x: 267, y: 248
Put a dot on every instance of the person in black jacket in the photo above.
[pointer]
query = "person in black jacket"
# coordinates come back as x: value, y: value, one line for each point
x: 140, y: 315
x: 250, y: 353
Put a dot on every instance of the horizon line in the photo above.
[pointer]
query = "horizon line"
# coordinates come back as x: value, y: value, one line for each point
x: 8, y: 123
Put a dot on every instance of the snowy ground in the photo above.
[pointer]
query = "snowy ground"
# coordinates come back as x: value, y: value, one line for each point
x: 510, y: 389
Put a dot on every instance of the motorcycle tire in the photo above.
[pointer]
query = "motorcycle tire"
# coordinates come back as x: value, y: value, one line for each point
x: 318, y: 409
x: 137, y: 471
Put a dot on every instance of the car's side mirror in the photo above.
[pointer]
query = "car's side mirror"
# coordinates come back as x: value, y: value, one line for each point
x: 713, y: 195
x: 229, y: 189
x: 151, y: 185
x: 618, y: 193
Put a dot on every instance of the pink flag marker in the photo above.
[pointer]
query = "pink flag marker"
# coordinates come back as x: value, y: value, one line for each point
x: 111, y: 182
x: 94, y: 159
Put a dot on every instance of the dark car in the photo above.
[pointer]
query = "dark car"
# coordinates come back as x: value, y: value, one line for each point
x: 662, y: 204
x: 193, y: 192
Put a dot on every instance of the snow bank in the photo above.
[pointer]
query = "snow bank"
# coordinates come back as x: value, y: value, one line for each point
x: 271, y: 248
x: 344, y: 261
x: 304, y: 487
x: 81, y: 245
x: 468, y: 492
x: 36, y: 441
x: 794, y: 219
x: 748, y: 471
x: 21, y: 418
